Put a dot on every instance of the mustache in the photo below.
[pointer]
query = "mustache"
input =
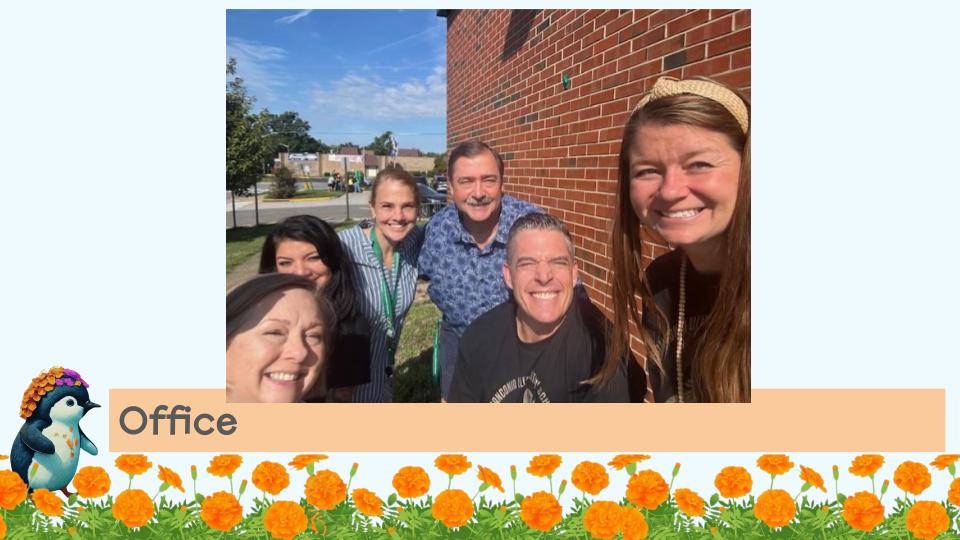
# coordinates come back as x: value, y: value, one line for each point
x: 479, y: 201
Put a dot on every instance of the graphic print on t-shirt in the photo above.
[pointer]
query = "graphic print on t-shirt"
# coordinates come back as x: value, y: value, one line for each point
x: 529, y: 385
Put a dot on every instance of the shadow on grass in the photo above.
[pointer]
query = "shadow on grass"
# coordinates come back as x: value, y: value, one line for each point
x: 412, y: 382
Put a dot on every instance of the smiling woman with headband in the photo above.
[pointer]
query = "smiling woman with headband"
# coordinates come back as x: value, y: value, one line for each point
x: 684, y: 174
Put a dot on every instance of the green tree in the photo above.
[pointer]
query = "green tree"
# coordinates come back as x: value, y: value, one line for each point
x: 288, y: 129
x: 284, y: 184
x: 381, y: 144
x: 247, y: 147
x: 440, y: 164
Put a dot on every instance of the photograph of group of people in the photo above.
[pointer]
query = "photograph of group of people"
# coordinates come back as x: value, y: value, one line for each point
x: 322, y: 321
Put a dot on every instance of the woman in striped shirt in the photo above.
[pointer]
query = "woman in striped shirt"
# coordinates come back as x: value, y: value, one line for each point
x: 384, y: 255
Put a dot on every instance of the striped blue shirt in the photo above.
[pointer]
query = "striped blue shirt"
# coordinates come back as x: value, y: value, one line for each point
x: 369, y: 274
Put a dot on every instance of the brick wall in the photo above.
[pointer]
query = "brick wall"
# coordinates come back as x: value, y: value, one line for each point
x: 504, y: 87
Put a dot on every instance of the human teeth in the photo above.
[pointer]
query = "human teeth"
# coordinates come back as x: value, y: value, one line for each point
x: 278, y: 376
x: 681, y: 213
x: 544, y: 295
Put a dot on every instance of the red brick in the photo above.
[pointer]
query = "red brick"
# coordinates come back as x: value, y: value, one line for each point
x: 614, y: 27
x: 709, y: 31
x: 730, y: 42
x: 717, y: 13
x: 708, y: 68
x: 688, y: 21
x: 740, y: 59
x: 634, y: 30
x: 665, y: 15
x: 649, y: 38
x: 664, y: 48
x: 739, y: 78
x: 741, y: 19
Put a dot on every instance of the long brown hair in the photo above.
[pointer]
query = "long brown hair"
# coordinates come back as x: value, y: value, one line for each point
x: 721, y: 364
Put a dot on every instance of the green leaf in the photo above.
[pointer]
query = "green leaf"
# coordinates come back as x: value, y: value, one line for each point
x: 392, y: 499
x: 841, y: 497
x: 72, y: 500
x: 714, y: 499
x: 632, y: 469
x: 199, y: 498
x: 519, y: 498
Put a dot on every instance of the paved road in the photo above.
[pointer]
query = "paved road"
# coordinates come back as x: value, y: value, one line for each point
x: 245, y: 217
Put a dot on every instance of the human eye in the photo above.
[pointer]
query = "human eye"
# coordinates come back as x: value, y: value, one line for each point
x: 464, y: 181
x: 489, y: 180
x: 700, y: 166
x: 283, y: 264
x: 645, y: 173
x: 315, y: 337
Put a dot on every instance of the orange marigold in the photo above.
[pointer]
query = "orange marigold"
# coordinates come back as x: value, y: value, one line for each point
x: 221, y: 511
x: 13, y: 490
x: 863, y: 511
x: 3, y: 528
x: 733, y: 482
x: 590, y: 477
x: 953, y: 495
x: 945, y: 460
x: 620, y: 461
x: 774, y: 463
x: 544, y: 464
x: 689, y: 502
x: 647, y: 489
x: 634, y: 524
x: 133, y: 464
x: 224, y: 465
x: 453, y: 508
x: 133, y: 508
x: 927, y: 519
x: 367, y: 502
x: 91, y: 482
x: 270, y: 477
x: 812, y: 477
x: 452, y: 463
x: 301, y: 461
x: 775, y: 507
x: 912, y: 477
x: 411, y: 482
x: 603, y: 519
x: 285, y: 519
x: 489, y: 477
x: 866, y: 465
x: 171, y: 478
x: 541, y: 511
x: 325, y: 490
x: 47, y: 502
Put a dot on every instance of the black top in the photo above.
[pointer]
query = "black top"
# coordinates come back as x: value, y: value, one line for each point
x: 349, y: 362
x: 494, y: 366
x: 663, y: 275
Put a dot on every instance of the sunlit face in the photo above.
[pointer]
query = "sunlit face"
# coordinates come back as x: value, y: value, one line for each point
x: 683, y: 182
x: 281, y: 357
x: 301, y: 258
x: 394, y: 211
x: 476, y: 187
x: 541, y: 274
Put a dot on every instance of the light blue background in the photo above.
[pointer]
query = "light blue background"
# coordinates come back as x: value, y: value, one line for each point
x: 111, y: 156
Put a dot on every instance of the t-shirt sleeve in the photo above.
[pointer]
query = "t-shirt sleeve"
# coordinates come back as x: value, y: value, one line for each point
x: 464, y: 387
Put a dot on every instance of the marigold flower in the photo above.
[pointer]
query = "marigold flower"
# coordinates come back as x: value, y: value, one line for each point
x: 221, y: 511
x: 91, y: 482
x: 47, y: 502
x: 953, y: 495
x: 812, y: 477
x: 590, y: 477
x: 489, y: 477
x: 3, y: 528
x: 411, y: 482
x: 775, y: 507
x: 945, y: 460
x: 689, y: 502
x: 367, y: 502
x: 927, y: 519
x: 453, y: 508
x: 301, y: 461
x: 603, y: 519
x: 285, y: 520
x: 541, y: 511
x: 866, y: 465
x: 863, y: 511
x: 620, y: 461
x: 13, y: 490
x: 171, y: 478
x: 452, y: 463
x: 3, y: 457
x: 270, y: 477
x: 774, y: 463
x: 647, y: 489
x: 912, y: 477
x: 133, y: 464
x: 133, y: 508
x: 224, y: 465
x: 325, y: 490
x: 733, y: 482
x: 544, y: 465
x: 634, y: 524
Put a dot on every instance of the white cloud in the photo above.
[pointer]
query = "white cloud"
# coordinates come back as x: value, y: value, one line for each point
x: 257, y: 65
x: 289, y: 19
x: 369, y: 96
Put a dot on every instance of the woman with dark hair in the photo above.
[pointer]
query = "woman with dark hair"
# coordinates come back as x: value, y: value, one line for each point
x: 309, y: 247
x: 684, y: 176
x: 279, y: 332
x: 384, y: 254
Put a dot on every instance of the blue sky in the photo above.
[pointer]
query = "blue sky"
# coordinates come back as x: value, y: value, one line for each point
x: 352, y: 74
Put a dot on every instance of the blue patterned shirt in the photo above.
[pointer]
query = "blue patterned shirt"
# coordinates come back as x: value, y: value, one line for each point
x: 466, y: 281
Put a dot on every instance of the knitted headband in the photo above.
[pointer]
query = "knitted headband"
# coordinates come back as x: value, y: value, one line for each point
x: 670, y: 86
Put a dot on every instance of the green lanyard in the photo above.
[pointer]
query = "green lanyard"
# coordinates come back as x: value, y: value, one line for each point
x: 388, y: 300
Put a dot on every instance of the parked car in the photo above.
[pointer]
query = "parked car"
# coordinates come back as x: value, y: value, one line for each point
x: 440, y: 183
x: 421, y: 180
x: 430, y: 201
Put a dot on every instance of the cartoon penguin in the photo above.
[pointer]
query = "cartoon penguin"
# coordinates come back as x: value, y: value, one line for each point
x: 47, y: 450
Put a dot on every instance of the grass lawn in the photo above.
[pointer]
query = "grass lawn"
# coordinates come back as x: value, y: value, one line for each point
x: 246, y: 242
x: 309, y: 194
x: 418, y: 330
x: 412, y: 381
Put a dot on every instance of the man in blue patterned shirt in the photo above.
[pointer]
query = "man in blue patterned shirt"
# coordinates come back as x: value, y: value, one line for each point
x: 466, y: 244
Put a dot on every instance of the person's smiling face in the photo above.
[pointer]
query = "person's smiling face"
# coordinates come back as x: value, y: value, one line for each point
x: 394, y: 208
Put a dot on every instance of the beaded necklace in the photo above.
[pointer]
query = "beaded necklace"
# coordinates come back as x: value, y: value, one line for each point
x: 681, y: 318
